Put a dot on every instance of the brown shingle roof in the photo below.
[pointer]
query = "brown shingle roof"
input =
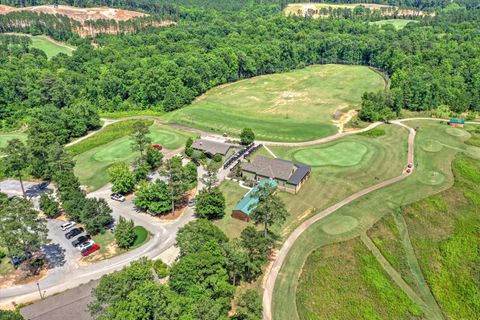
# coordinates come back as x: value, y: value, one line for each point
x: 269, y: 167
x: 211, y: 147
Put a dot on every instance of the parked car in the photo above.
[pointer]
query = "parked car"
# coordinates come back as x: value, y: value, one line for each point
x: 80, y: 240
x: 67, y: 225
x: 85, y: 245
x: 89, y: 250
x: 191, y: 202
x: 73, y: 233
x: 157, y: 146
x: 117, y: 197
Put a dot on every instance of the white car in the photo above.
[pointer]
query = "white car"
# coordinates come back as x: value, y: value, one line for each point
x: 85, y: 245
x: 117, y: 197
x: 67, y: 225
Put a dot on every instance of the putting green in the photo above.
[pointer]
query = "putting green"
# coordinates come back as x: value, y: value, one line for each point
x: 431, y: 178
x: 340, y: 224
x: 343, y: 154
x: 92, y: 166
x: 457, y: 132
x: 473, y: 152
x: 431, y: 145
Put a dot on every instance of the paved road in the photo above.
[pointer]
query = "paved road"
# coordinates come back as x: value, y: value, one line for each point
x: 287, y: 245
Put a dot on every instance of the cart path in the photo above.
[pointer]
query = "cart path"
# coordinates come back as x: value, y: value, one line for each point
x: 107, y: 122
x: 287, y: 245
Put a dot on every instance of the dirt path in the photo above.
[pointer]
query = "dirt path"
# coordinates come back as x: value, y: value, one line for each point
x: 287, y: 245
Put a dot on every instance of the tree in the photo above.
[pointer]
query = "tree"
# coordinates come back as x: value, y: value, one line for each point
x: 154, y: 197
x: 237, y: 261
x: 249, y: 306
x: 197, y: 234
x: 161, y: 268
x: 15, y: 160
x: 209, y: 179
x: 190, y: 175
x: 189, y: 142
x: 247, y: 136
x: 49, y: 205
x: 10, y: 315
x: 21, y: 230
x: 124, y: 233
x: 270, y: 209
x: 153, y: 158
x: 256, y: 246
x: 121, y: 177
x: 96, y: 214
x: 175, y: 180
x: 210, y: 204
x: 140, y: 138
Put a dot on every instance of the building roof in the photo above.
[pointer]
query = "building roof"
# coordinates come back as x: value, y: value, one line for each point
x: 71, y: 303
x: 270, y: 167
x: 453, y: 120
x: 247, y: 204
x: 299, y: 174
x: 211, y: 147
x: 292, y: 172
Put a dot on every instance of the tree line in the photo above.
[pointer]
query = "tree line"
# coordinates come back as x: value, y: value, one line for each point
x: 430, y: 64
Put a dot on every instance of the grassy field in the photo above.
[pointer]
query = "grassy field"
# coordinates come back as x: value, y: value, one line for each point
x: 233, y: 194
x: 92, y: 165
x: 4, y: 137
x: 132, y: 113
x: 142, y: 236
x: 345, y: 281
x: 368, y: 210
x: 50, y: 47
x: 292, y: 106
x: 396, y: 23
x: 334, y: 179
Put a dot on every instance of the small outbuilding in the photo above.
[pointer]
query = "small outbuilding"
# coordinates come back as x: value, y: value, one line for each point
x: 244, y: 207
x: 456, y: 122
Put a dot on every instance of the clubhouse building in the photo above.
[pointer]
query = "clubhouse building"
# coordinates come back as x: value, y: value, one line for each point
x: 289, y: 176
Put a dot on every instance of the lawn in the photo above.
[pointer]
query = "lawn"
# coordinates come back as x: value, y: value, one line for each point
x: 233, y: 194
x: 50, y: 47
x: 142, y: 236
x: 4, y: 137
x: 132, y: 113
x: 92, y: 165
x: 345, y: 281
x: 293, y: 106
x: 396, y: 23
x: 366, y: 211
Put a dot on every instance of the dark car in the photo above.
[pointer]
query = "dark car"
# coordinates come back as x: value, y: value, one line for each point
x: 73, y: 233
x: 80, y: 240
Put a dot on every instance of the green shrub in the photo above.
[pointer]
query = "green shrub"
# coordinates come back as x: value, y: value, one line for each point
x: 161, y: 268
x: 373, y: 133
x: 49, y: 206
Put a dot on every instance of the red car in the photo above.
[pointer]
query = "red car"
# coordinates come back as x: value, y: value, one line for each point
x: 90, y: 250
x: 157, y: 146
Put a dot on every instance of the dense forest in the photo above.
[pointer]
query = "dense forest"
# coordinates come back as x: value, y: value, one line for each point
x: 432, y: 63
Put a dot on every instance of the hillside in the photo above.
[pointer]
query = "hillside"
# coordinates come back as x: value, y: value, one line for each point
x: 88, y: 16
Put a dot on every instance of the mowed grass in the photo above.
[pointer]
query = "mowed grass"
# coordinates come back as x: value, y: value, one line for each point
x: 292, y: 106
x: 345, y: 281
x: 332, y: 180
x: 233, y: 194
x: 50, y: 47
x: 142, y: 236
x: 92, y: 165
x: 5, y: 137
x: 396, y: 23
x: 367, y: 210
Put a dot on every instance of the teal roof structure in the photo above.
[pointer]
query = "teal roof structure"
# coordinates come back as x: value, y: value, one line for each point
x: 247, y: 204
x: 461, y: 121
